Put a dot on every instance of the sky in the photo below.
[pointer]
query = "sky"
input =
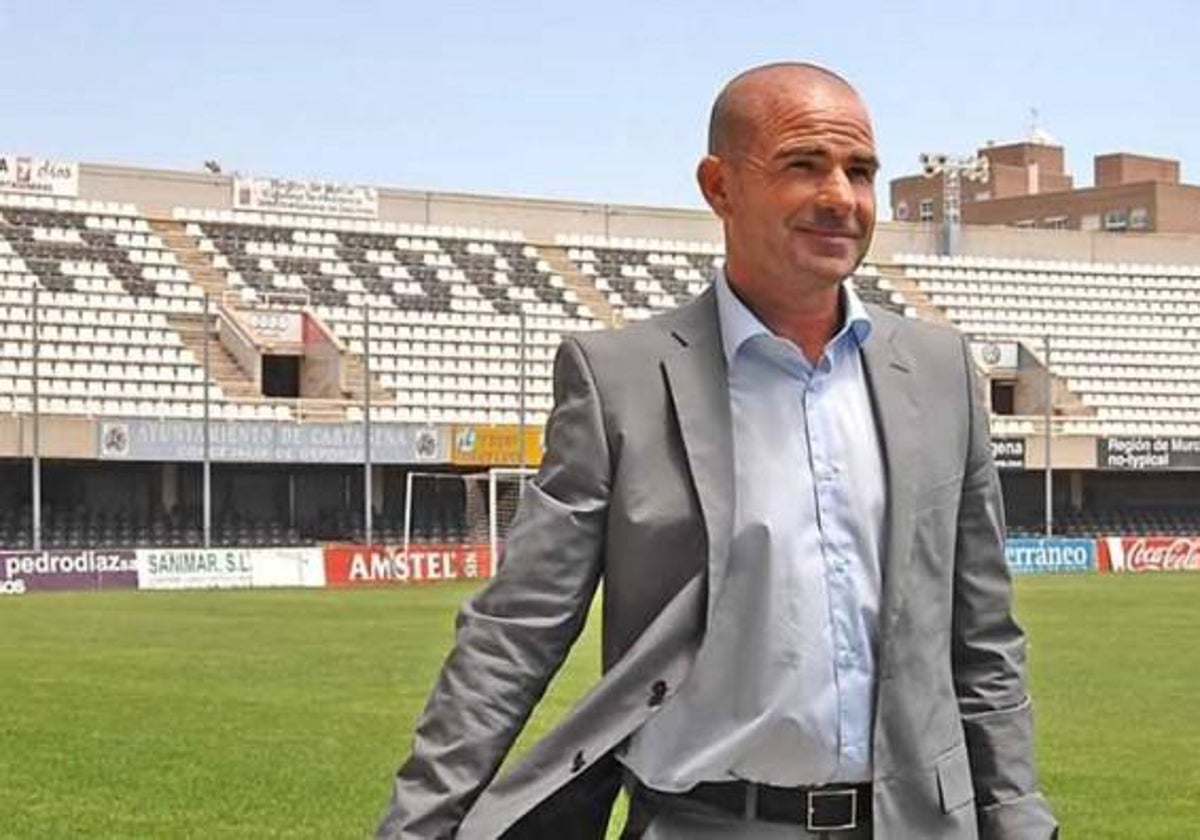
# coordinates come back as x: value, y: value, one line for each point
x: 599, y: 101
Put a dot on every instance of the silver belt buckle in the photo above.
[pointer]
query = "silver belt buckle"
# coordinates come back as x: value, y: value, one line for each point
x: 849, y: 795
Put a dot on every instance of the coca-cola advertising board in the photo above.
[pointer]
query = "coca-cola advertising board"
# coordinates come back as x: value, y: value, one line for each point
x: 1150, y: 554
x: 383, y: 565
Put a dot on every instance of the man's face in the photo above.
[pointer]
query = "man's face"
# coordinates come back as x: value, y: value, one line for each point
x: 797, y: 193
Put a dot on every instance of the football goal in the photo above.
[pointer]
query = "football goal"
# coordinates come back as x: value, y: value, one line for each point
x: 456, y: 507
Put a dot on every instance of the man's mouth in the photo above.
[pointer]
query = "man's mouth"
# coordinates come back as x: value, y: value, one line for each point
x: 828, y: 233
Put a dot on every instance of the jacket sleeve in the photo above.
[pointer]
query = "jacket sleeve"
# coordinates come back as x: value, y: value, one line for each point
x: 515, y: 633
x: 989, y: 653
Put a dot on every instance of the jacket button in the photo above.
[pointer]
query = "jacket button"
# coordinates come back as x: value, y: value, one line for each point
x: 658, y: 693
x: 577, y: 762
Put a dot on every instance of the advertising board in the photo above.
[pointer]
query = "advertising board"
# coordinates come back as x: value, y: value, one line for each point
x: 194, y: 568
x: 300, y: 567
x: 265, y: 441
x: 1148, y: 453
x: 66, y: 570
x: 21, y: 173
x: 284, y: 195
x: 1150, y: 554
x: 496, y: 446
x: 1050, y: 556
x: 1008, y: 453
x: 229, y: 568
x: 378, y: 565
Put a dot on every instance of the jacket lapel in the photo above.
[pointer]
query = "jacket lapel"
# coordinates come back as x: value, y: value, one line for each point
x: 698, y: 383
x: 889, y: 378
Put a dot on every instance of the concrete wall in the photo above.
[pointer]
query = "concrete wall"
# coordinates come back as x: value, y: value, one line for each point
x: 60, y: 437
x: 239, y: 341
x: 1001, y: 241
x: 155, y: 192
x: 1068, y: 453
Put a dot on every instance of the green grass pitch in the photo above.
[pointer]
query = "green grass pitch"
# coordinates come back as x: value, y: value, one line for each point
x: 284, y: 713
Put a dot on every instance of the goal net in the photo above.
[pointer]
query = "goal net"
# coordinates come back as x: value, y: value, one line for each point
x: 477, y: 508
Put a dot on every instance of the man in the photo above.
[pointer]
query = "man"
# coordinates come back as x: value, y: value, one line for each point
x: 790, y: 499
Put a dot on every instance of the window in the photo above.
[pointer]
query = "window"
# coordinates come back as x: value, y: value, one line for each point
x: 902, y: 211
x: 1139, y: 218
x: 1089, y: 221
x: 1055, y: 222
x: 1116, y: 220
x: 926, y: 210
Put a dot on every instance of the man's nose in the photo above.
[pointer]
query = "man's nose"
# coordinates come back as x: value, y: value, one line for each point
x: 836, y: 195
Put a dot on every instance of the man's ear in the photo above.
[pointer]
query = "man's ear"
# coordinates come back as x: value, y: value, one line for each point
x: 712, y: 176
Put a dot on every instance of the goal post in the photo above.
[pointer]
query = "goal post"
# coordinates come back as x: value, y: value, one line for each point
x: 506, y: 488
x: 473, y: 507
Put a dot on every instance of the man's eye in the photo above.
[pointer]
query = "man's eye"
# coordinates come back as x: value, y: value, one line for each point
x: 862, y: 174
x: 802, y: 163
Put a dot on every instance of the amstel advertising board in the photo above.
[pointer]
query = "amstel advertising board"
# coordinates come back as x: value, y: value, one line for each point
x: 382, y: 565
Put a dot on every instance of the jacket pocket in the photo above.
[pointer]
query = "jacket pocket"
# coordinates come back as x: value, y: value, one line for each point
x: 955, y: 788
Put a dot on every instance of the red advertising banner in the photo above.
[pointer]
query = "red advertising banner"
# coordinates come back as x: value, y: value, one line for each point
x: 380, y: 565
x: 1150, y: 554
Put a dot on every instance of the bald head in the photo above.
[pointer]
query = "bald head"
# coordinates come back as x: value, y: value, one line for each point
x: 740, y: 104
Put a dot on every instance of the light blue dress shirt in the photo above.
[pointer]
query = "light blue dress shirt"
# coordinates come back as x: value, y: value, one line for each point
x: 783, y: 687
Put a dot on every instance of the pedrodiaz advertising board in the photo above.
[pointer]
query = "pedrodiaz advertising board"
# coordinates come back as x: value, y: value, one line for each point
x: 65, y: 570
x: 361, y: 565
x: 1150, y: 554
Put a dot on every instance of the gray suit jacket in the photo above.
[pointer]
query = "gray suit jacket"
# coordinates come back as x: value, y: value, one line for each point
x: 636, y: 490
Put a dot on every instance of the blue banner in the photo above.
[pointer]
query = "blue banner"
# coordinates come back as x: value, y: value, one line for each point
x: 1050, y: 556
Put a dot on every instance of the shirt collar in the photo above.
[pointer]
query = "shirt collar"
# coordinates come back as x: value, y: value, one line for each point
x: 738, y: 324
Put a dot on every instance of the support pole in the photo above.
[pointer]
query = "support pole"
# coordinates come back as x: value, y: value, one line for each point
x: 1049, y: 461
x: 521, y: 393
x: 366, y: 419
x: 36, y: 508
x: 408, y: 508
x: 207, y: 466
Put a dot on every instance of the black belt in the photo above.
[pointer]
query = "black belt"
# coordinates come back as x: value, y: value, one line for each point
x: 825, y: 808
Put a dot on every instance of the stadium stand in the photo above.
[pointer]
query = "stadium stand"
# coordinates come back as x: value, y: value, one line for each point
x: 445, y: 304
x: 122, y: 527
x: 1167, y: 520
x: 1124, y: 338
x: 108, y: 291
x: 644, y: 277
x: 451, y: 319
